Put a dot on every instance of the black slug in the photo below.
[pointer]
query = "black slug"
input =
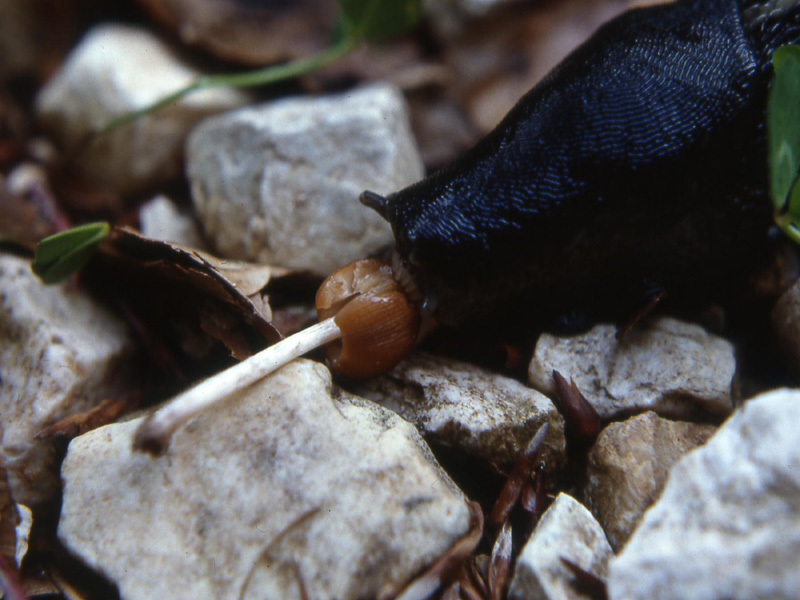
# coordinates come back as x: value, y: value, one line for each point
x: 639, y: 161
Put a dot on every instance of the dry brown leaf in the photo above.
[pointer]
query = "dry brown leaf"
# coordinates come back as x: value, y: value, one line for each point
x: 585, y: 582
x: 444, y: 568
x: 9, y: 519
x: 582, y: 423
x: 248, y: 278
x: 178, y: 297
x: 254, y: 33
x: 500, y: 562
x: 106, y: 412
x: 519, y: 477
x: 500, y: 57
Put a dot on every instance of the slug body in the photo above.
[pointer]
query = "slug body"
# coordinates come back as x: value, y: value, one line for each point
x: 639, y: 161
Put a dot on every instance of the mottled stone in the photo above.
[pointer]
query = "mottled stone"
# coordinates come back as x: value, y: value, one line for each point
x: 116, y: 69
x: 291, y: 479
x: 567, y: 529
x: 466, y: 407
x: 161, y: 219
x: 727, y: 524
x: 279, y: 183
x: 674, y: 368
x: 628, y: 466
x: 60, y: 353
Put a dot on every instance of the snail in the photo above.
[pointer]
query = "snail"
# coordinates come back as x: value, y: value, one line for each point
x: 639, y: 161
x: 379, y: 323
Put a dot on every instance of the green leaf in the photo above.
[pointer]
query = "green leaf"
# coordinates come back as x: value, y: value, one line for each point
x: 783, y: 127
x: 793, y: 200
x: 60, y: 255
x: 374, y: 20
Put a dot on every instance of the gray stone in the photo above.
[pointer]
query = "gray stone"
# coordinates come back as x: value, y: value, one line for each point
x: 674, y: 368
x: 786, y: 324
x: 567, y: 529
x: 463, y: 406
x: 628, y: 466
x: 279, y: 183
x: 116, y: 69
x: 290, y: 480
x: 60, y: 353
x: 161, y: 219
x: 727, y: 525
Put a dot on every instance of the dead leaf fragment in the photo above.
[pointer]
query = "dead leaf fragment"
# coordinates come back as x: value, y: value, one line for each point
x: 106, y: 412
x: 185, y: 295
x: 9, y: 519
x: 254, y: 33
x: 444, y: 568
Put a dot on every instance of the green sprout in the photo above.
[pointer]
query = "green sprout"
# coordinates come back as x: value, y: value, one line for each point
x: 783, y: 133
x: 359, y: 21
x: 59, y: 256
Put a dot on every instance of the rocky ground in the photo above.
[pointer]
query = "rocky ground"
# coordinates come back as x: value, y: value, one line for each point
x: 469, y: 470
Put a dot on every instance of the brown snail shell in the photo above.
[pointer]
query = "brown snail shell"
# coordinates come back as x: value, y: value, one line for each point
x: 379, y: 324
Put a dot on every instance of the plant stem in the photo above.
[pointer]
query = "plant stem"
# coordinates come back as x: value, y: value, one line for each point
x: 154, y: 433
x: 785, y: 222
x: 258, y: 77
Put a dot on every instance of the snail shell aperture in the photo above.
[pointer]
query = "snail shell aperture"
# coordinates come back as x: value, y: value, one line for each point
x: 379, y: 324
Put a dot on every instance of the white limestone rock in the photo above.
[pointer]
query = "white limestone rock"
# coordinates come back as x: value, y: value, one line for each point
x: 463, y: 406
x: 279, y: 183
x: 673, y: 368
x: 727, y: 525
x: 628, y: 466
x: 290, y: 479
x: 161, y: 219
x: 23, y: 533
x: 116, y: 69
x: 567, y: 529
x: 60, y: 353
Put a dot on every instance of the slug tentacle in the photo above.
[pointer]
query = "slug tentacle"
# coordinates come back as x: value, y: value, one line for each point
x: 375, y: 201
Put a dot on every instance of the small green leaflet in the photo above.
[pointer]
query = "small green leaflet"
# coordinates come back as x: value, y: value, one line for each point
x: 783, y: 132
x: 60, y: 255
x: 374, y: 20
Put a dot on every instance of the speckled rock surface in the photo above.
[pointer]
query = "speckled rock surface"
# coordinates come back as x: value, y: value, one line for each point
x: 292, y: 479
x: 466, y: 407
x: 60, y: 353
x: 628, y: 466
x: 116, y: 69
x: 567, y: 529
x: 727, y: 525
x: 161, y: 219
x: 279, y: 183
x: 674, y: 368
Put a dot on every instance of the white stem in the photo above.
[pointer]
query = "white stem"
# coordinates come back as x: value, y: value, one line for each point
x: 154, y: 433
